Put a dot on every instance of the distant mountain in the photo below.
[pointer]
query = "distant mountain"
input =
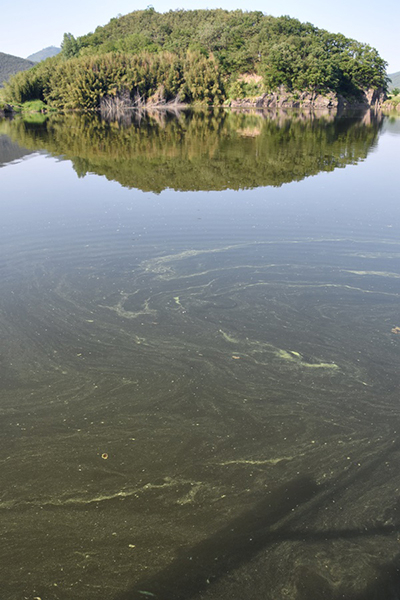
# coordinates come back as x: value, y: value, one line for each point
x: 43, y: 54
x: 395, y: 80
x: 10, y: 64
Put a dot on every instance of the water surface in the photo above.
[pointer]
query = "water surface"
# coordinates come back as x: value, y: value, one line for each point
x: 199, y: 357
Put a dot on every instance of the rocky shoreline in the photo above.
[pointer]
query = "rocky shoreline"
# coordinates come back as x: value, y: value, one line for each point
x: 282, y: 99
x: 296, y: 99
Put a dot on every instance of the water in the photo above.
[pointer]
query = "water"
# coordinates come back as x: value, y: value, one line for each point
x: 199, y: 357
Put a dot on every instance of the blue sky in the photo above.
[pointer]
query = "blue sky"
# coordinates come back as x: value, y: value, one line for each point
x: 26, y: 26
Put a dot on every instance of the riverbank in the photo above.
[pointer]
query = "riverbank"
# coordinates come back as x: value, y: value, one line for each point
x: 31, y: 107
x: 297, y: 99
x: 279, y: 99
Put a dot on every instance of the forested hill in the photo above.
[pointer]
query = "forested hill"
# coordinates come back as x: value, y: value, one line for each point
x: 9, y: 65
x: 202, y: 56
x: 283, y: 50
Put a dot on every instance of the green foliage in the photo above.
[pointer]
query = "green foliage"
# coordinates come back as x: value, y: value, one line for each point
x: 70, y: 46
x: 35, y: 106
x: 203, y: 81
x: 249, y: 87
x: 395, y: 92
x: 32, y: 84
x: 202, y: 55
x: 32, y: 106
x: 80, y: 83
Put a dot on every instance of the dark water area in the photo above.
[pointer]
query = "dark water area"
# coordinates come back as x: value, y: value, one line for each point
x: 199, y: 357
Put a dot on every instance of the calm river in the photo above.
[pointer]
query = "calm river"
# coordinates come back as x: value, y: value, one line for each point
x: 200, y: 357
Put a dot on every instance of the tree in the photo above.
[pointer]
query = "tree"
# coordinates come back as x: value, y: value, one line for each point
x: 69, y: 46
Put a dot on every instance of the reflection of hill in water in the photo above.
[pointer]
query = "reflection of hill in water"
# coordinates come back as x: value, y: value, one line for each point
x: 202, y: 151
x: 392, y: 125
x: 10, y: 151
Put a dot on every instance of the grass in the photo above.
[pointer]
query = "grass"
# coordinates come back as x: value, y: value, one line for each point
x: 33, y: 106
x: 27, y: 108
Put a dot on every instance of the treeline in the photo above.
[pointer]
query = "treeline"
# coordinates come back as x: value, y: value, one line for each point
x: 82, y: 82
x: 201, y: 56
x: 210, y: 150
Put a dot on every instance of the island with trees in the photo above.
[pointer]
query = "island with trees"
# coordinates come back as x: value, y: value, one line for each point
x: 209, y: 57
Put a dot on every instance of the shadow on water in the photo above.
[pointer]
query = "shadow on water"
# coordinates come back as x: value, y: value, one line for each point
x: 231, y: 546
x: 385, y: 586
x: 198, y: 567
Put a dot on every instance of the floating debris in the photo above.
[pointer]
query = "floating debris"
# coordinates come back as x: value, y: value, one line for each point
x: 104, y: 455
x: 293, y: 356
x: 395, y: 330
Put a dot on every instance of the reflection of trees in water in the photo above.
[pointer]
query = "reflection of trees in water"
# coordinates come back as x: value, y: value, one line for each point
x: 211, y: 150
